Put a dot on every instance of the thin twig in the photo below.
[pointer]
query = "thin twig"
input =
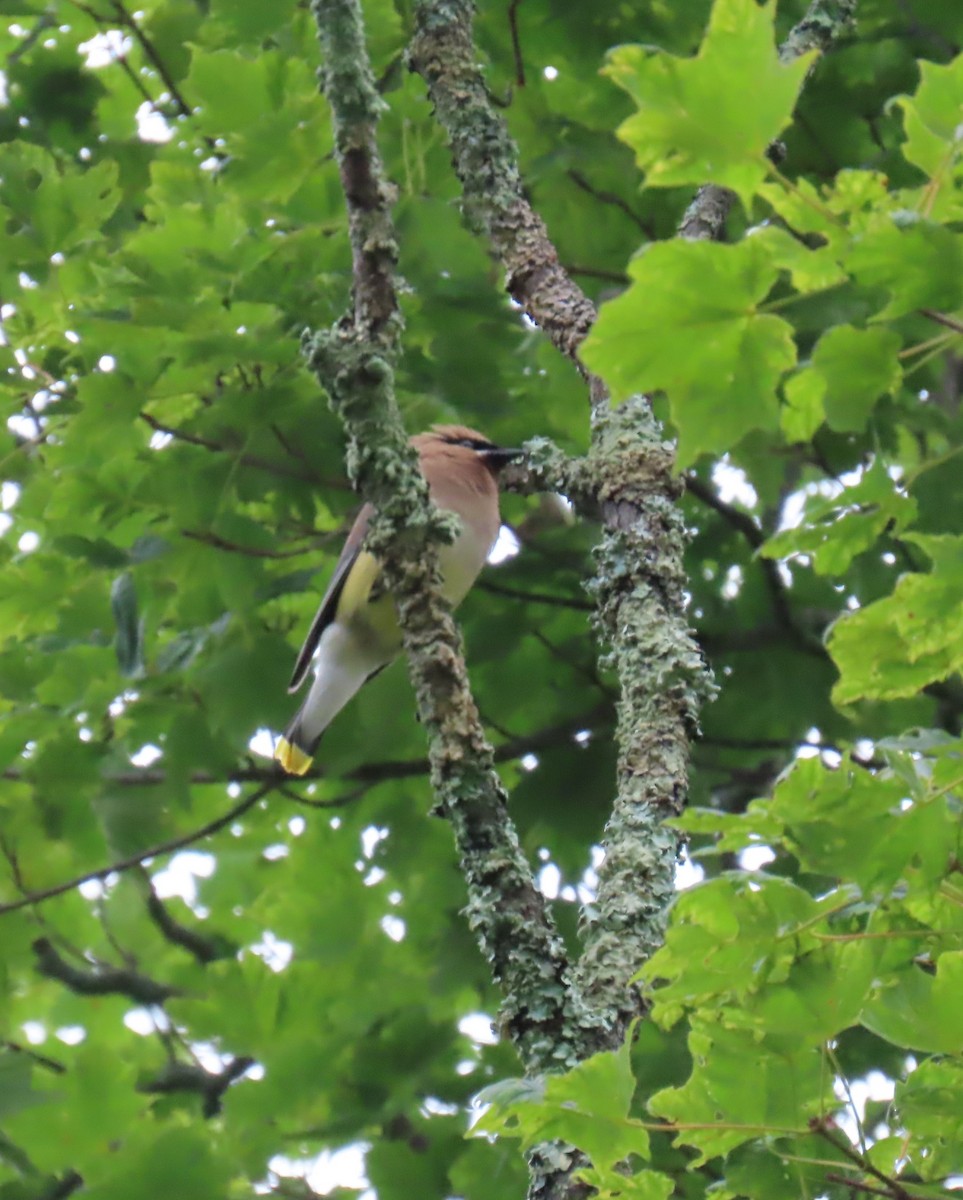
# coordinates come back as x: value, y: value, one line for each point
x: 612, y: 198
x: 893, y: 1187
x: 753, y: 534
x: 516, y: 43
x: 129, y: 22
x: 49, y: 1064
x: 168, y: 846
x: 222, y: 543
x: 247, y: 460
x: 365, y: 773
x: 619, y: 277
x: 100, y: 980
x: 943, y: 319
x: 868, y: 1188
x: 498, y: 589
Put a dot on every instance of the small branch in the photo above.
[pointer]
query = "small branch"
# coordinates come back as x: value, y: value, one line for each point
x: 247, y: 460
x: 136, y: 80
x: 49, y: 1064
x: 753, y: 534
x: 150, y: 52
x: 204, y: 949
x: 612, y: 198
x: 516, y: 43
x: 220, y: 543
x: 135, y: 860
x: 486, y: 162
x: 943, y: 319
x: 63, y: 1187
x: 190, y: 1077
x: 101, y: 980
x: 572, y: 602
x: 823, y: 23
x: 367, y: 773
x: 705, y: 218
x: 892, y: 1186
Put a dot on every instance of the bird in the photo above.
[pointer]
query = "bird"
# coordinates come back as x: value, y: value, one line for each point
x: 355, y: 633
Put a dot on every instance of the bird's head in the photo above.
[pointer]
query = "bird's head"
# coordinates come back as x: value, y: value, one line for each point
x: 461, y: 445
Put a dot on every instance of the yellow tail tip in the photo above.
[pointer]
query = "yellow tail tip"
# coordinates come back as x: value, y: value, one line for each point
x: 292, y: 758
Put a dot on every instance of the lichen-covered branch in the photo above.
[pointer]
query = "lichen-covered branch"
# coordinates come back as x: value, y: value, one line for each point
x: 486, y: 161
x: 823, y: 23
x: 354, y: 362
x: 628, y: 478
x: 640, y: 595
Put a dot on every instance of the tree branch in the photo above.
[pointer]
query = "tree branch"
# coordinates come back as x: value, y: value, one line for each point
x: 486, y: 162
x: 191, y: 1077
x: 134, y: 860
x: 247, y: 460
x: 128, y: 21
x: 204, y: 949
x: 354, y: 363
x: 102, y: 980
x: 366, y: 773
x: 892, y: 1187
x: 628, y: 476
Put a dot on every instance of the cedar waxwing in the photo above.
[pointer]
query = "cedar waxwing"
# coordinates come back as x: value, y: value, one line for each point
x: 355, y: 631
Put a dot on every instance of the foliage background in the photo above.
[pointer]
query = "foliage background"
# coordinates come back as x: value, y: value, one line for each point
x: 173, y: 494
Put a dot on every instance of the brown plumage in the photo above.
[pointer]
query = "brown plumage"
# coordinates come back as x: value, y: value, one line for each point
x: 355, y: 632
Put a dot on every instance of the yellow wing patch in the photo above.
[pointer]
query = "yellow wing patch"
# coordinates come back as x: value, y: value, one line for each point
x: 357, y: 587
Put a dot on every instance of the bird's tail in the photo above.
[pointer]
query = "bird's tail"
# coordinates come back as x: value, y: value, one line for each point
x: 294, y: 751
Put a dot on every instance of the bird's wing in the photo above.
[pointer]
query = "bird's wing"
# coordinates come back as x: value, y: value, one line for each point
x: 329, y: 605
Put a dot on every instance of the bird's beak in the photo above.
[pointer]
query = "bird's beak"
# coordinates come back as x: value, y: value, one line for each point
x: 499, y: 456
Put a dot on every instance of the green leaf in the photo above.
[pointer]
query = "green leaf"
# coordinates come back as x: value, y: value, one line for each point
x: 178, y: 1162
x: 930, y: 1103
x: 909, y: 639
x: 803, y: 412
x: 724, y: 1104
x: 858, y: 366
x: 933, y: 120
x: 728, y: 937
x: 919, y: 1010
x: 690, y: 325
x: 836, y: 528
x: 128, y: 638
x: 918, y: 262
x: 16, y: 1088
x: 851, y: 824
x: 692, y: 126
x: 587, y: 1107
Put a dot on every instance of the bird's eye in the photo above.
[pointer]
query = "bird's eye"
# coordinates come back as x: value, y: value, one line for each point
x: 474, y: 444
